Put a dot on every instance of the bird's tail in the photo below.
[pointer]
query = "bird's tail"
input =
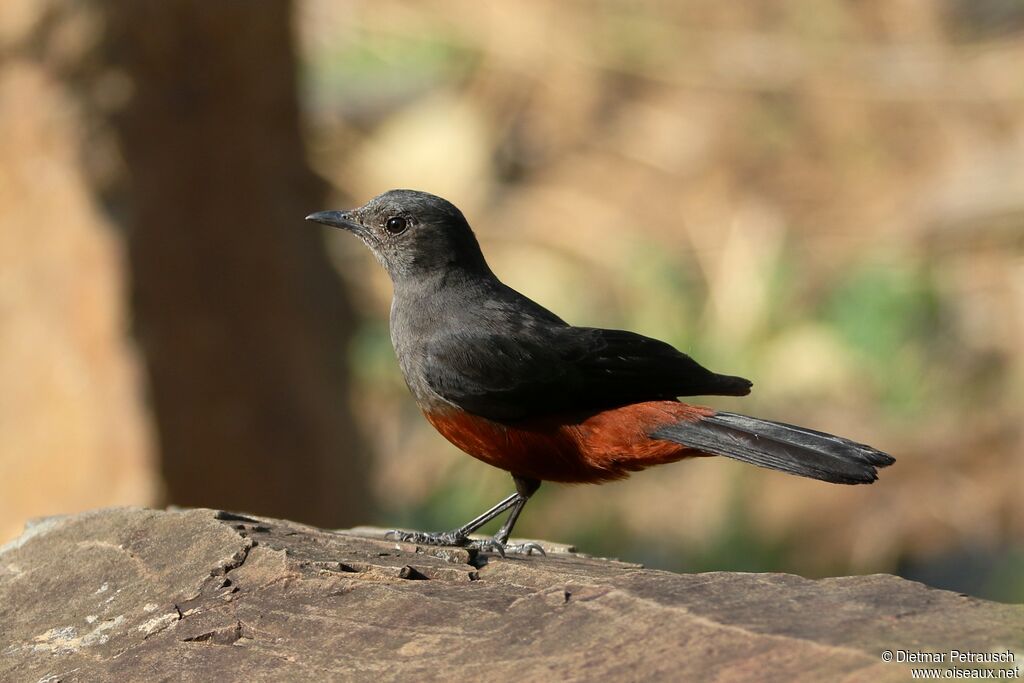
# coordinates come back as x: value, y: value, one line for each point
x: 779, y: 446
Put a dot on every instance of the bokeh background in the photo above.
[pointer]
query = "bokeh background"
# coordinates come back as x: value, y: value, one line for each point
x: 825, y: 196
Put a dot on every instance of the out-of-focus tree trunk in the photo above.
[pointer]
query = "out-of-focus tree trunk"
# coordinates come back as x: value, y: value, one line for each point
x: 242, y: 322
x: 73, y: 430
x: 173, y: 125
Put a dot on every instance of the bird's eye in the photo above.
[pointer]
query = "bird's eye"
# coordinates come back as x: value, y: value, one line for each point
x: 396, y: 225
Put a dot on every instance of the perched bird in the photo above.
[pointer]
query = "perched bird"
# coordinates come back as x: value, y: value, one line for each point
x: 514, y: 385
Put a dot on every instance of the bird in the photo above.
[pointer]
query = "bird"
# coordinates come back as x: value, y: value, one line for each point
x: 512, y: 384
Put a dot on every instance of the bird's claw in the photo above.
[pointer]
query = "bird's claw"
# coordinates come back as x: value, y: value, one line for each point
x: 503, y: 549
x: 525, y: 548
x: 488, y: 544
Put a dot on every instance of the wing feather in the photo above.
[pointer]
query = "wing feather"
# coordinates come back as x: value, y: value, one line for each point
x: 555, y: 369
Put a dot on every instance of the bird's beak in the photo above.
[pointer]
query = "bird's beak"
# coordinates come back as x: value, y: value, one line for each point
x: 337, y: 219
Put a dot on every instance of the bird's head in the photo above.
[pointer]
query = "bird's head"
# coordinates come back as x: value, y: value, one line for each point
x: 411, y: 233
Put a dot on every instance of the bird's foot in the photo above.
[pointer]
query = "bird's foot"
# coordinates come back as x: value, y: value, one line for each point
x: 487, y: 545
x: 454, y: 538
x: 458, y: 539
x: 524, y: 548
x: 494, y: 545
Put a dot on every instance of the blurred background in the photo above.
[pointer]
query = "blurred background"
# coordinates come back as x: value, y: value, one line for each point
x: 826, y: 197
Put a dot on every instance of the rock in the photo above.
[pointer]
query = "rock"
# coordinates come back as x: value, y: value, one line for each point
x: 133, y: 594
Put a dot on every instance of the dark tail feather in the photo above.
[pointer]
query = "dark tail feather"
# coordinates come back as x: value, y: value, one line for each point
x: 779, y: 446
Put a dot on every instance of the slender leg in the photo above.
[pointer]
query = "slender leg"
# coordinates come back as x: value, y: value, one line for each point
x: 460, y: 537
x: 525, y: 488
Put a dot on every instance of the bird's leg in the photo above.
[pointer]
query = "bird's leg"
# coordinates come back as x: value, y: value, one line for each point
x: 460, y: 537
x: 525, y: 487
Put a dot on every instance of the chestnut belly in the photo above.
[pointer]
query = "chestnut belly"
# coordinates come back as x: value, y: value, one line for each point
x: 572, y: 448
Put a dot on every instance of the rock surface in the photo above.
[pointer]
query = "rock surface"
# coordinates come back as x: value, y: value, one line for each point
x: 201, y: 595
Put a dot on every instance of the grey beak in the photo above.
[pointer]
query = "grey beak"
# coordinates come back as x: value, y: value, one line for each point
x: 336, y: 219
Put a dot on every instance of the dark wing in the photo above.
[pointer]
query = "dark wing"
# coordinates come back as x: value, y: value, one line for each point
x: 557, y: 369
x: 624, y: 367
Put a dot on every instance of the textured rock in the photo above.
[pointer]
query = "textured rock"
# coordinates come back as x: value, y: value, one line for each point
x: 131, y: 594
